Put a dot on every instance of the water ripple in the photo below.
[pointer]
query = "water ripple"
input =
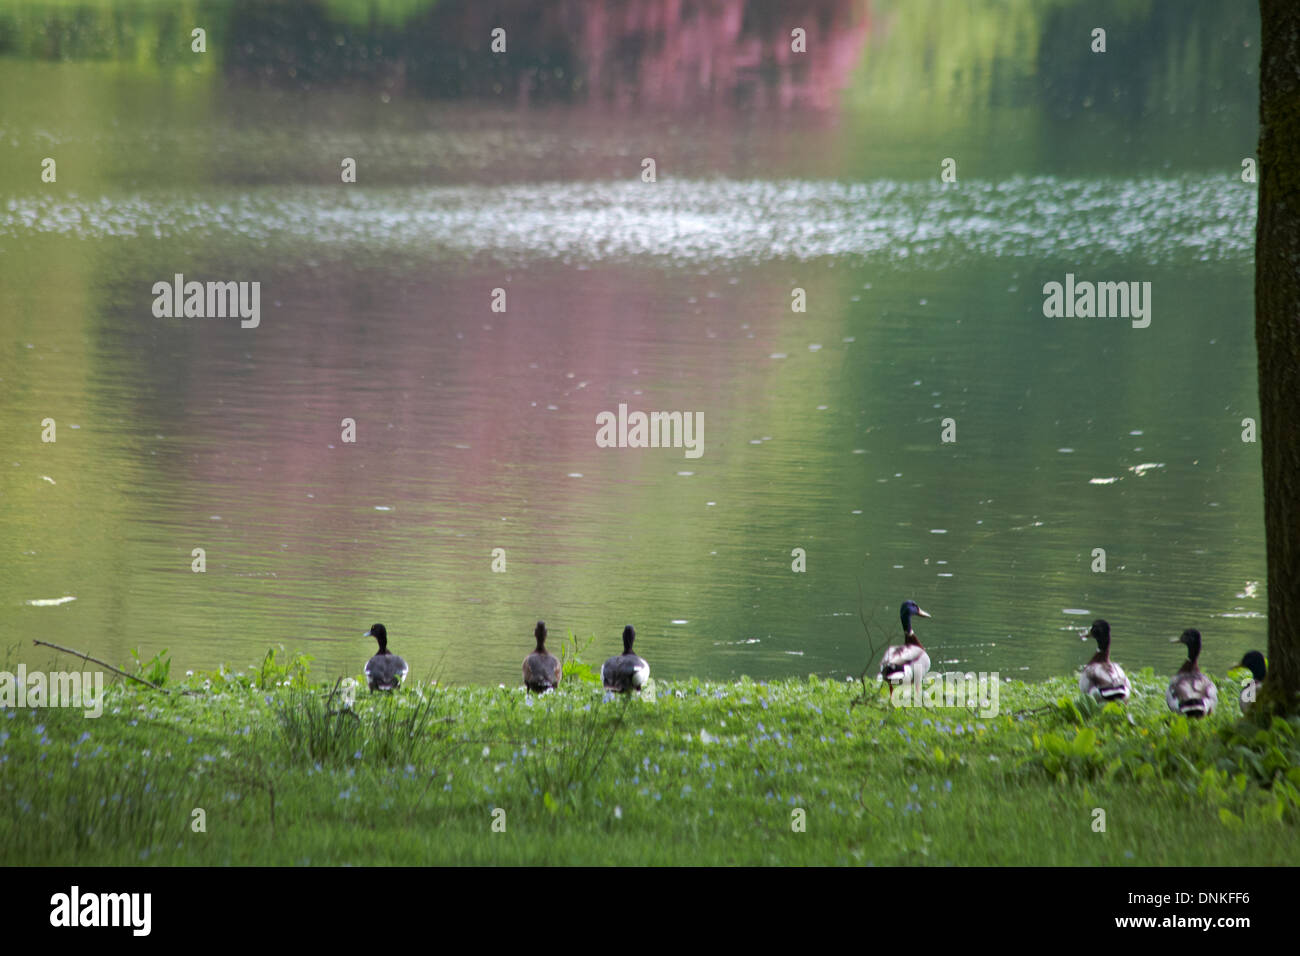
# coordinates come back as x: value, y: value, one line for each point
x: 1149, y: 221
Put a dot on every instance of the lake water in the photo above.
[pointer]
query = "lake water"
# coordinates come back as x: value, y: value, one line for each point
x: 475, y: 429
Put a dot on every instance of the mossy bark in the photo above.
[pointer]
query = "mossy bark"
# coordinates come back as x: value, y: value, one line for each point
x: 1277, y: 339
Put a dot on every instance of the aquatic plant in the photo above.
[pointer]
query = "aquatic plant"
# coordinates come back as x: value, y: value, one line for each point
x: 156, y: 669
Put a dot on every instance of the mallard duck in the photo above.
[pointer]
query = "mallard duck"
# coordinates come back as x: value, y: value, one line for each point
x: 385, y: 670
x: 541, y: 667
x: 907, y: 661
x: 1102, y: 677
x: 1254, y: 662
x: 626, y: 672
x: 1191, y: 692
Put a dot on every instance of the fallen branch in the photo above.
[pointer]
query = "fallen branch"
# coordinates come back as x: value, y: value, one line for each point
x: 116, y: 670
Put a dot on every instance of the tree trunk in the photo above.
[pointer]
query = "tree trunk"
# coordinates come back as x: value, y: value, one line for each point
x: 1277, y: 338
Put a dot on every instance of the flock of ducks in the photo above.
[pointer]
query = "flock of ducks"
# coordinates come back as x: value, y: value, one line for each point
x: 621, y: 674
x: 1190, y: 692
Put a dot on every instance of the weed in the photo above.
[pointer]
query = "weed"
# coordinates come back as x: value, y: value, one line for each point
x: 156, y: 669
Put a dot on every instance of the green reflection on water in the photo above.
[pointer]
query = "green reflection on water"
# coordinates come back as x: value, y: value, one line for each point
x: 197, y: 434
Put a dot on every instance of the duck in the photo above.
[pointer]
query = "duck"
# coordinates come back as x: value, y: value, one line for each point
x: 541, y: 667
x: 908, y: 661
x: 385, y: 670
x: 1101, y: 677
x: 1190, y: 692
x: 627, y: 671
x: 1254, y: 662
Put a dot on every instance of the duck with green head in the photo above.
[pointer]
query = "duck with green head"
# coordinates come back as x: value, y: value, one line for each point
x: 906, y: 662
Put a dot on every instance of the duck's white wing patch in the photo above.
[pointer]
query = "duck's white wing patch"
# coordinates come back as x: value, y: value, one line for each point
x: 898, y: 655
x: 1191, y: 693
x: 1120, y: 686
x: 1105, y: 681
x: 905, y: 660
x: 1171, y: 698
x: 640, y: 673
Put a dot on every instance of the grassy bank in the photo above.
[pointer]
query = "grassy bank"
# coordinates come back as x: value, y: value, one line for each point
x: 704, y: 773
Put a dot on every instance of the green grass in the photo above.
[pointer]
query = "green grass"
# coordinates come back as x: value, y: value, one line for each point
x: 705, y: 773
